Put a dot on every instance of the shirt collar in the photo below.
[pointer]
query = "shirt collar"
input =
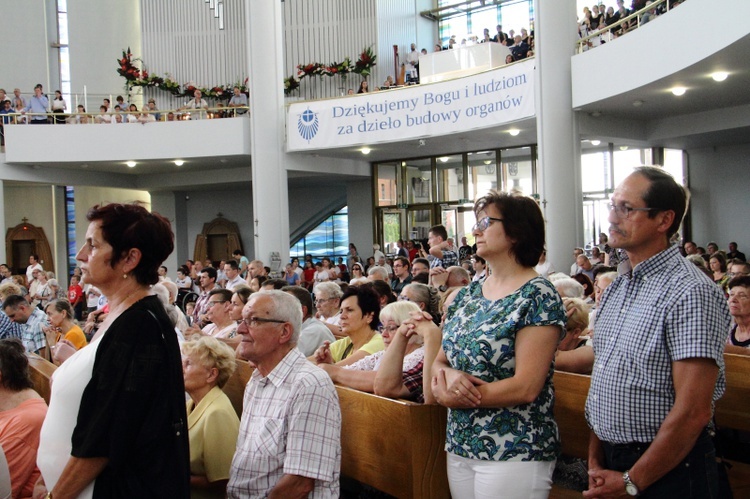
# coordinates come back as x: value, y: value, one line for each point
x: 656, y: 263
x: 283, y: 369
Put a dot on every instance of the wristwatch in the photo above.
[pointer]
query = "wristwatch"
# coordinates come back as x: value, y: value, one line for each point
x: 442, y: 288
x: 630, y: 487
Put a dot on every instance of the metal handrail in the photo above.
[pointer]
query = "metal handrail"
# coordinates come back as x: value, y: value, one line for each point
x: 70, y: 118
x: 608, y: 29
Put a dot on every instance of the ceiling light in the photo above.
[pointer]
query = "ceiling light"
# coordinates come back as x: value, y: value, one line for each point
x: 678, y: 91
x: 179, y: 162
x: 637, y: 103
x: 131, y: 164
x: 596, y: 142
x: 623, y: 148
x: 487, y: 161
x: 444, y: 159
x: 365, y: 150
x: 719, y: 75
x: 514, y: 131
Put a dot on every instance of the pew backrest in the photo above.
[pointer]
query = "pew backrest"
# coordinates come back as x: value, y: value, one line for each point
x: 41, y: 371
x: 235, y: 385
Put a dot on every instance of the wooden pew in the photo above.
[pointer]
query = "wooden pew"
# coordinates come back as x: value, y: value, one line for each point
x: 395, y: 446
x: 732, y: 411
x: 235, y: 386
x: 41, y: 371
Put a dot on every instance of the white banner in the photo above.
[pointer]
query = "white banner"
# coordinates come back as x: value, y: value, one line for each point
x: 484, y: 100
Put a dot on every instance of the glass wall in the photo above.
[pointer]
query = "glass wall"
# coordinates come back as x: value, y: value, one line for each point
x: 415, y: 194
x: 470, y: 25
x: 330, y: 238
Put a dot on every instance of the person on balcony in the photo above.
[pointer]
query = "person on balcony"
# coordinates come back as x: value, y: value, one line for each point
x: 238, y: 100
x: 38, y: 105
x: 197, y: 103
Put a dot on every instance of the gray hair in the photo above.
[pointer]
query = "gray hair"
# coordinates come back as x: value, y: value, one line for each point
x: 331, y: 289
x: 286, y: 308
x: 377, y: 269
x: 569, y: 288
x: 425, y: 294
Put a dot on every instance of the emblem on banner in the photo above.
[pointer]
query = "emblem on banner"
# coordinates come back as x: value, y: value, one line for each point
x: 307, y: 124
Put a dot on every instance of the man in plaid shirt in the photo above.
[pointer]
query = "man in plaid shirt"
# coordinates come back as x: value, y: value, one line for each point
x: 658, y: 344
x: 290, y: 434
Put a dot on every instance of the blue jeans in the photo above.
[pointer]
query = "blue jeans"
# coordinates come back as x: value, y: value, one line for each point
x: 695, y: 477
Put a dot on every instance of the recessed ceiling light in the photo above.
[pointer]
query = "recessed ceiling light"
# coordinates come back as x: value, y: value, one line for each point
x: 623, y: 148
x: 637, y: 103
x: 514, y: 131
x: 179, y: 162
x: 487, y: 161
x: 223, y: 161
x: 85, y: 165
x: 678, y: 91
x: 365, y: 150
x: 444, y: 159
x: 596, y: 142
x: 719, y: 75
x: 131, y: 164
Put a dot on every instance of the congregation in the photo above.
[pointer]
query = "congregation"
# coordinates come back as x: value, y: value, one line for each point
x: 406, y: 325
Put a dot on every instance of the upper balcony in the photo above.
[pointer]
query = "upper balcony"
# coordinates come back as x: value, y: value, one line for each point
x: 627, y: 82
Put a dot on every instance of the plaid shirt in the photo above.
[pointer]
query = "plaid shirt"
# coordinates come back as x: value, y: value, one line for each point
x: 412, y: 380
x: 291, y: 425
x: 8, y: 328
x: 450, y: 258
x: 33, y: 337
x: 666, y: 312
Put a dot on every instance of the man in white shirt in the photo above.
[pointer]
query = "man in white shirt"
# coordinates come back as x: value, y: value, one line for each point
x: 232, y: 270
x: 313, y: 332
x: 33, y: 264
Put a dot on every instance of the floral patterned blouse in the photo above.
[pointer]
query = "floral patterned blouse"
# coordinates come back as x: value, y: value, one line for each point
x: 479, y: 339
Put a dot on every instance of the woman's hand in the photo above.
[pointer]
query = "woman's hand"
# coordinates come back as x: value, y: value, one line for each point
x: 323, y: 354
x: 40, y: 490
x: 456, y: 389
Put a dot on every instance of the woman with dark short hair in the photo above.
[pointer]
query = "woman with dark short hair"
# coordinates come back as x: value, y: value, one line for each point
x: 360, y: 309
x: 117, y: 425
x: 494, y: 372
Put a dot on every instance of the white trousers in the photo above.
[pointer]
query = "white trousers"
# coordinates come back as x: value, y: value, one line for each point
x: 475, y: 479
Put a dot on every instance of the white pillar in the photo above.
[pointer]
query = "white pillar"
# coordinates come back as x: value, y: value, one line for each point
x: 3, y: 254
x: 264, y: 23
x: 557, y: 130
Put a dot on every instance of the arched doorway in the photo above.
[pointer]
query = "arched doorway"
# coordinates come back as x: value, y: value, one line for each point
x: 24, y: 240
x: 217, y: 241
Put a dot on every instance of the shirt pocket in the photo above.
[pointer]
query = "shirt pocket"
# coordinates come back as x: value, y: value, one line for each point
x: 268, y: 435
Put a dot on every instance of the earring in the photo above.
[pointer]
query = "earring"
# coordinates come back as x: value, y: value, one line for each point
x: 124, y: 276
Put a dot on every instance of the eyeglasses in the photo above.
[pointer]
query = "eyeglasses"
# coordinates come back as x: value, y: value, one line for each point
x: 403, y: 298
x: 322, y: 300
x: 483, y: 223
x: 623, y: 211
x: 214, y: 302
x: 390, y: 329
x: 257, y: 321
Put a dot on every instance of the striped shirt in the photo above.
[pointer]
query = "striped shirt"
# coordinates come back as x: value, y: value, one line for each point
x: 291, y: 425
x: 665, y: 312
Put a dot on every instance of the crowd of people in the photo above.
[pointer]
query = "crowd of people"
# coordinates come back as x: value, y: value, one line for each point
x: 39, y: 109
x: 477, y: 328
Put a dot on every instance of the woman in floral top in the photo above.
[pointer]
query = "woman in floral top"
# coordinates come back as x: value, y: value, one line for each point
x: 494, y: 372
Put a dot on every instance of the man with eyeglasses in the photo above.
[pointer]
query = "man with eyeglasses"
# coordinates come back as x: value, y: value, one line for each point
x: 290, y: 432
x: 313, y: 332
x: 659, y: 345
x: 401, y: 274
x: 327, y: 304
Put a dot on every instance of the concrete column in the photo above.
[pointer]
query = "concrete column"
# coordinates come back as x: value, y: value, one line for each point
x: 264, y: 23
x: 172, y: 206
x: 557, y: 130
x: 3, y: 254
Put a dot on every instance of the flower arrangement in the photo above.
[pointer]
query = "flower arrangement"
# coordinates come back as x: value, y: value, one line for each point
x: 365, y: 62
x: 135, y: 77
x: 291, y: 83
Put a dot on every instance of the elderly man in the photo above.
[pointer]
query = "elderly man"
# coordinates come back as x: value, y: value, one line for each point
x: 328, y: 302
x: 18, y: 310
x: 659, y: 346
x: 197, y: 103
x: 444, y: 279
x: 238, y: 100
x: 289, y: 443
x: 377, y: 273
x: 313, y: 332
x: 585, y: 267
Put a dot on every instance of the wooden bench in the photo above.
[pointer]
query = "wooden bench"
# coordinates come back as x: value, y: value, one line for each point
x: 41, y: 371
x: 395, y: 446
x: 732, y: 411
x: 235, y: 385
